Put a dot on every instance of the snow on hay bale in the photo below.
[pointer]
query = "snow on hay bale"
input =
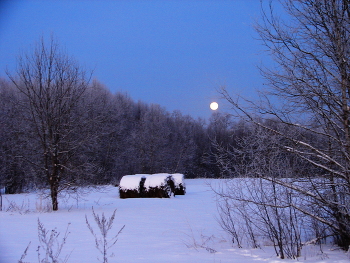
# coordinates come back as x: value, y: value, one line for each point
x: 159, y: 185
x: 132, y: 186
x: 147, y: 185
x: 180, y: 186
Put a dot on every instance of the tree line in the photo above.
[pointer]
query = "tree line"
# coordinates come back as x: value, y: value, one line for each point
x: 60, y: 129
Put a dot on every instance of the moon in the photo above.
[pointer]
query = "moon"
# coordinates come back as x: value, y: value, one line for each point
x: 214, y: 105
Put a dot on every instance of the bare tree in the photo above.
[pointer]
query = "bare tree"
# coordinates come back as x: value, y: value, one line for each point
x: 51, y: 84
x: 311, y: 82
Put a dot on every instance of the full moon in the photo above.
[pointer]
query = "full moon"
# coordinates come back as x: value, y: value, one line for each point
x: 214, y: 105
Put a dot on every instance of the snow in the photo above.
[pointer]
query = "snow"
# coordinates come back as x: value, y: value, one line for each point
x: 178, y: 179
x: 179, y: 229
x: 131, y: 182
x: 156, y: 180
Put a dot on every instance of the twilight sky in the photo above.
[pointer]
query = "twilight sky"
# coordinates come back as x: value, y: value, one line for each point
x: 175, y: 53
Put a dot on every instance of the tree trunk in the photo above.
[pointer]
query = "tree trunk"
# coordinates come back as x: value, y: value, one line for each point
x: 54, y: 193
x: 54, y: 184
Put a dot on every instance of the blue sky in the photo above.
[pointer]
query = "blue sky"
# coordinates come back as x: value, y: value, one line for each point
x: 172, y: 53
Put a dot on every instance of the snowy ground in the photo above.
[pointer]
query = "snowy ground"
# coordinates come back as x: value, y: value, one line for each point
x: 180, y: 229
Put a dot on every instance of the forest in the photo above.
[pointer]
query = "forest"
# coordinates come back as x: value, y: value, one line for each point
x: 86, y: 134
x: 104, y: 137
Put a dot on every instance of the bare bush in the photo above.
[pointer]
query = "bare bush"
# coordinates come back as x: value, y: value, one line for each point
x: 228, y: 221
x: 253, y: 210
x: 203, y: 242
x: 12, y: 206
x: 50, y: 244
x: 21, y: 260
x: 43, y: 205
x: 103, y: 244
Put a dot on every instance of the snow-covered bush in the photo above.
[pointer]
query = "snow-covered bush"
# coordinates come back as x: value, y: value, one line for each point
x: 180, y: 186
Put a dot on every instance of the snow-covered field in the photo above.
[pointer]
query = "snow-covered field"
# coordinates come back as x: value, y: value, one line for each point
x: 179, y: 229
